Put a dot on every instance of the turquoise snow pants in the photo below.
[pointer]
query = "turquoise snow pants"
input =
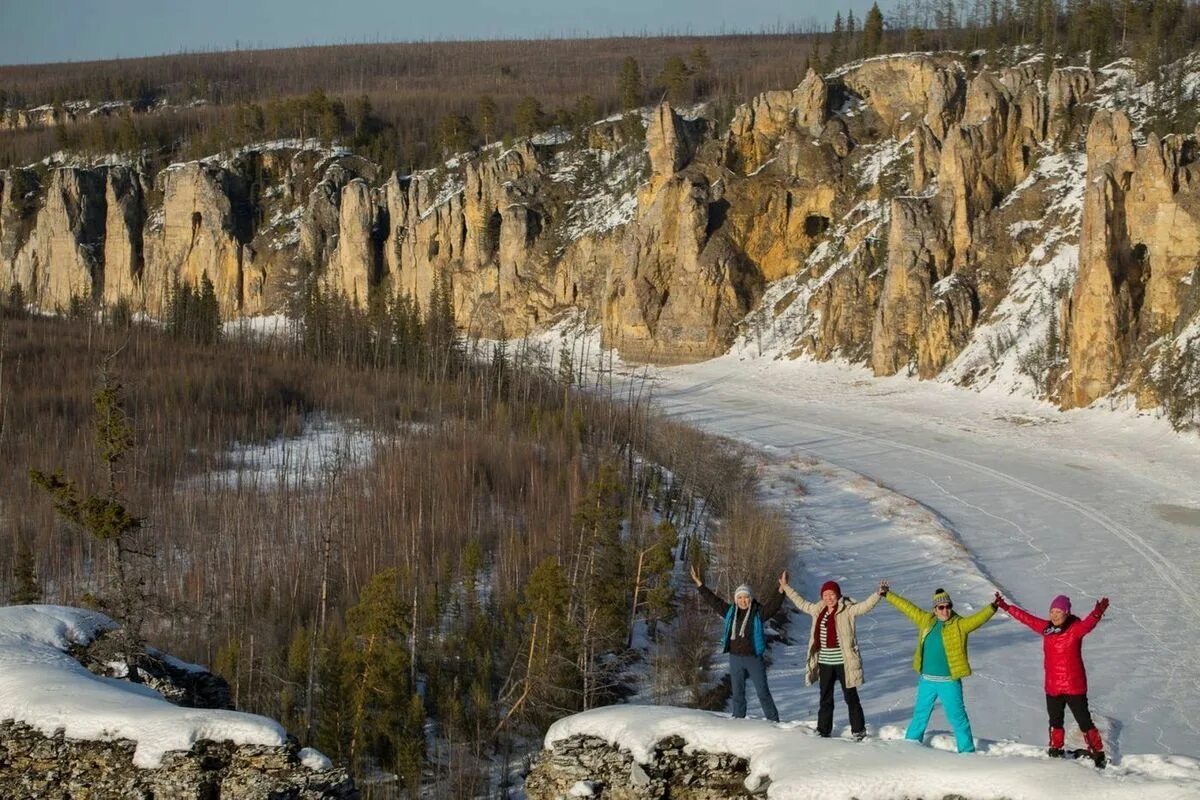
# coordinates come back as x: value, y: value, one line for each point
x: 951, y: 695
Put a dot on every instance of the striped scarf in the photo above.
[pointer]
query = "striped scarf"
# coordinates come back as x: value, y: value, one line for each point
x: 831, y: 652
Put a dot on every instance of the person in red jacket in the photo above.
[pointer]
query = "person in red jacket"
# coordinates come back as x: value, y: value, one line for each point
x: 1066, y: 679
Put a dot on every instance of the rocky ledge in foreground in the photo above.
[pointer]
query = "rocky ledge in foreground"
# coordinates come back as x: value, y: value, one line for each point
x: 34, y: 765
x: 73, y: 726
x: 587, y: 766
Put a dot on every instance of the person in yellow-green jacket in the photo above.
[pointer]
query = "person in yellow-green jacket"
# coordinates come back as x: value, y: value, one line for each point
x: 941, y: 661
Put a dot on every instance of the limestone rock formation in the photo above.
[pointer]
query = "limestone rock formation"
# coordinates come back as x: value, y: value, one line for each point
x: 204, y: 232
x: 672, y: 772
x: 1139, y: 245
x: 124, y: 246
x: 758, y: 126
x: 886, y: 210
x: 64, y: 254
x: 353, y: 266
x: 919, y: 257
x: 55, y: 768
x: 905, y: 91
x: 683, y: 286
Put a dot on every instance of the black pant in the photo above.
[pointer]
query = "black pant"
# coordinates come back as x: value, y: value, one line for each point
x: 837, y: 672
x: 1057, y: 704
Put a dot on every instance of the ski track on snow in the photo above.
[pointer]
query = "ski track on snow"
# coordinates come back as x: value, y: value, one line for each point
x: 1161, y: 566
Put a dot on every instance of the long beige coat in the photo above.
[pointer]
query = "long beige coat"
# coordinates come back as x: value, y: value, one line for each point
x: 844, y: 622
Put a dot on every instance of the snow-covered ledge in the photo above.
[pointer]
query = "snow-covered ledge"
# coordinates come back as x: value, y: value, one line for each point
x: 59, y: 722
x: 789, y: 762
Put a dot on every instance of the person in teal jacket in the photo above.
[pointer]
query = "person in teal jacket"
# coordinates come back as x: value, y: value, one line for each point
x: 941, y: 661
x: 745, y: 640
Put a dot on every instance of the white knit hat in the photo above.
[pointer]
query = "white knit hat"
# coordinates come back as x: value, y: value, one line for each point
x: 743, y: 589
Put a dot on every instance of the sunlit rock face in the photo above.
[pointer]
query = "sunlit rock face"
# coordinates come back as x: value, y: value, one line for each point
x: 882, y: 213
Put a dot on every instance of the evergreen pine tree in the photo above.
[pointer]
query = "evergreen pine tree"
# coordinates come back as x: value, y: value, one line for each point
x: 549, y: 679
x: 487, y: 117
x: 377, y: 665
x: 601, y: 618
x: 837, y: 45
x: 26, y: 588
x: 873, y: 32
x: 529, y: 117
x: 16, y: 300
x: 675, y: 78
x: 106, y: 517
x: 441, y: 335
x: 630, y: 83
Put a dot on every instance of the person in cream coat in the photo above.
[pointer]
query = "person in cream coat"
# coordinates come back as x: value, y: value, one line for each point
x: 833, y: 655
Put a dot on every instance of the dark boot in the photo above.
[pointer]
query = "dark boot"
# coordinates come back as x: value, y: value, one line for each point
x: 1057, y: 737
x: 1096, y: 747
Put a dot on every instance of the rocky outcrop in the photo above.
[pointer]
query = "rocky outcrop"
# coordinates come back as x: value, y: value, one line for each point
x: 906, y: 91
x: 205, y: 229
x: 683, y: 286
x: 56, y: 768
x: 919, y: 258
x: 148, y: 726
x: 69, y: 240
x: 895, y: 195
x: 758, y: 126
x: 353, y: 266
x: 124, y: 245
x: 1139, y: 245
x: 613, y: 774
x: 980, y: 159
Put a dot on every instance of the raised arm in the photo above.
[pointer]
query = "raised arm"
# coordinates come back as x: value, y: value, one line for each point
x: 1089, y: 623
x: 978, y: 618
x: 707, y: 595
x: 1031, y: 621
x: 864, y: 606
x: 772, y: 605
x: 916, y: 615
x: 711, y: 600
x: 812, y: 609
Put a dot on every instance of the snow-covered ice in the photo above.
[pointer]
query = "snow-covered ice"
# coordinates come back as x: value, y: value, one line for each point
x: 1016, y: 496
x: 45, y: 688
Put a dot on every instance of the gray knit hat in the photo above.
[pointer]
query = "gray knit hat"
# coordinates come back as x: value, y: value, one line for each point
x: 942, y: 597
x: 743, y: 589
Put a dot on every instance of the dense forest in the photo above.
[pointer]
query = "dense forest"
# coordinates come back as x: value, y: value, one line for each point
x: 490, y: 538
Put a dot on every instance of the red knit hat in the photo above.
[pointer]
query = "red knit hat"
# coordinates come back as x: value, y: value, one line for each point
x: 831, y: 585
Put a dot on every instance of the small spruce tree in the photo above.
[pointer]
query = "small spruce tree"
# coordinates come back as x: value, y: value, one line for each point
x: 105, y: 516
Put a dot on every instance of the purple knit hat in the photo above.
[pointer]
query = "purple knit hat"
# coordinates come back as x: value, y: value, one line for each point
x: 1062, y: 602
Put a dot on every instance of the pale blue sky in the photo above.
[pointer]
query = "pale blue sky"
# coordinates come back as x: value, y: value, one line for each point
x: 82, y: 30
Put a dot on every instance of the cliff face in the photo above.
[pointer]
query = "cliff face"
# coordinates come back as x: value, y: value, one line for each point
x: 886, y: 214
